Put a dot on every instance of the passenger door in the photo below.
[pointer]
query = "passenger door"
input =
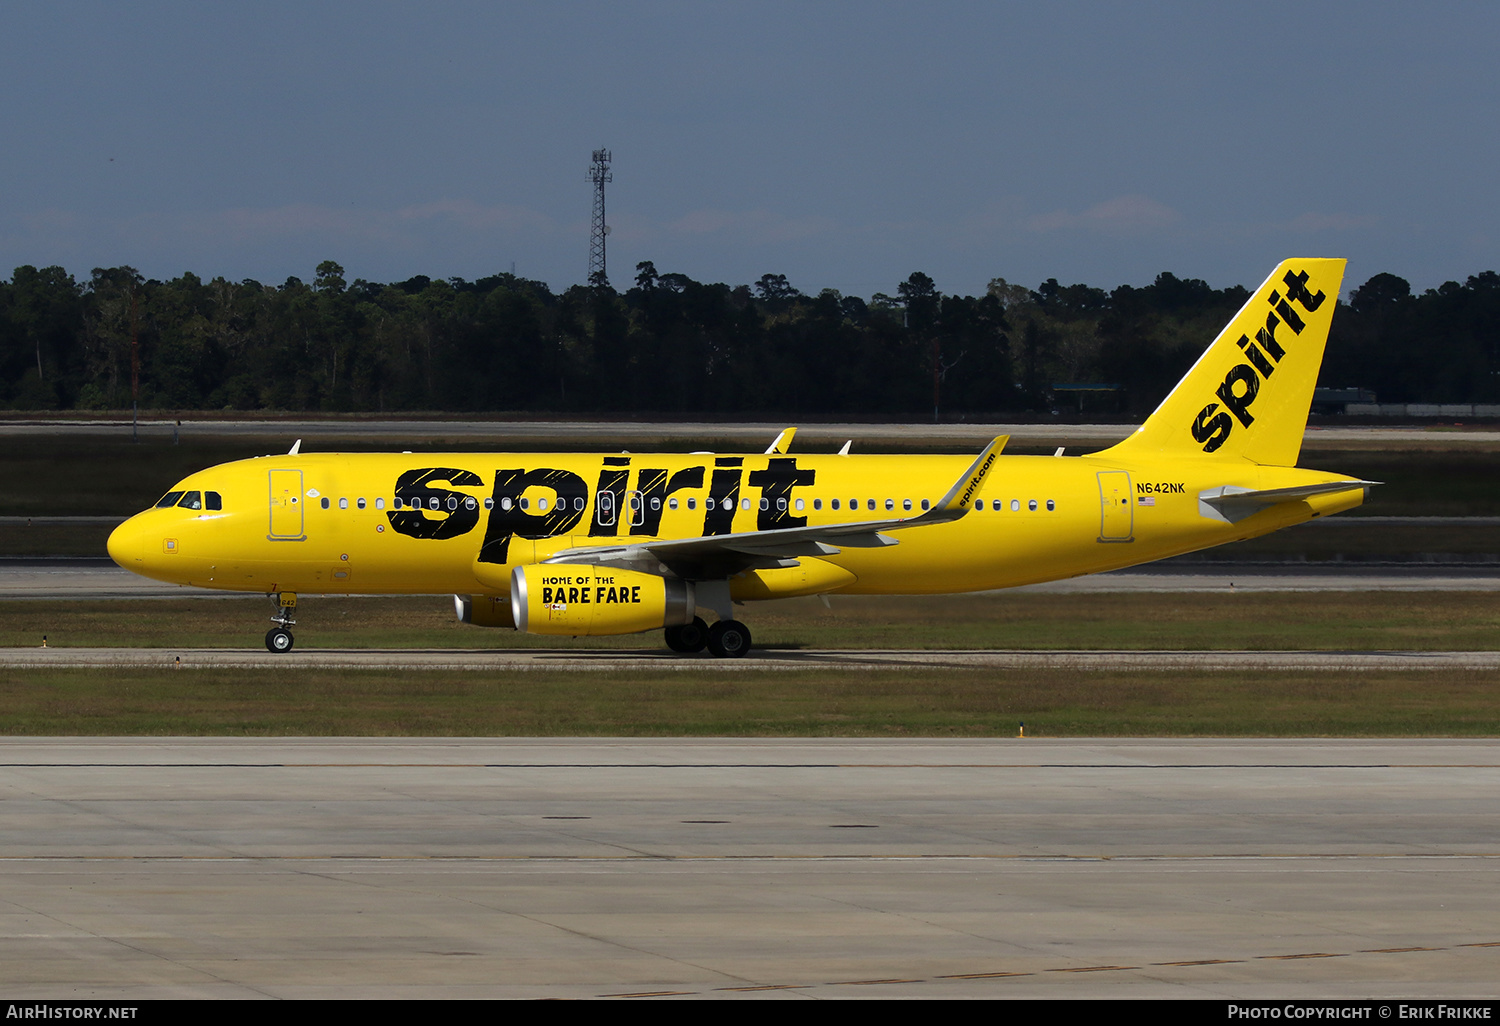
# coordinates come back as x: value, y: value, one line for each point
x: 1117, y: 516
x: 286, y: 506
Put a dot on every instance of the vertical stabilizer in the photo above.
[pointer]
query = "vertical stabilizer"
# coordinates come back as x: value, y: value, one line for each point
x: 1249, y: 394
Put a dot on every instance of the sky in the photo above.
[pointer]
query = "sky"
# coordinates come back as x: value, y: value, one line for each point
x: 845, y: 145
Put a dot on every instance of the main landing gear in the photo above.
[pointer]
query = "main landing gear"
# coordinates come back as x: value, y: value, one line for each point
x: 278, y: 638
x: 688, y: 637
x: 726, y: 639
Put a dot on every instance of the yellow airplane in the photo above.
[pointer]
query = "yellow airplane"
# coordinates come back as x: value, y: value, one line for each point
x: 579, y: 544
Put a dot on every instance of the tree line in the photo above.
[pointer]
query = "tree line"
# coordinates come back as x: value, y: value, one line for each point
x: 670, y: 345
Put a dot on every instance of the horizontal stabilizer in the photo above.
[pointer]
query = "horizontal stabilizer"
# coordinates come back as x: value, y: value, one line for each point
x: 1231, y: 503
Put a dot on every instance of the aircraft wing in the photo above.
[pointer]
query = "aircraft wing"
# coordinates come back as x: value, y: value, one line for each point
x: 1231, y: 503
x: 716, y: 557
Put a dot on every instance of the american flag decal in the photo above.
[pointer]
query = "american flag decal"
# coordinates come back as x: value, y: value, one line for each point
x: 1148, y: 500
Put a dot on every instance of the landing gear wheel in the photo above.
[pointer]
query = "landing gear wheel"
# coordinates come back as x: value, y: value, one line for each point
x: 688, y: 637
x: 279, y: 639
x: 729, y: 639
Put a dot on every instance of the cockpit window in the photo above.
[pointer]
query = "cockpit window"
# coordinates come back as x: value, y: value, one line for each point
x: 211, y: 500
x: 191, y: 500
x: 170, y: 499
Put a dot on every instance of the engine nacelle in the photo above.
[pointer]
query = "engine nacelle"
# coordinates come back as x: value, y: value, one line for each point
x: 587, y: 600
x: 484, y: 611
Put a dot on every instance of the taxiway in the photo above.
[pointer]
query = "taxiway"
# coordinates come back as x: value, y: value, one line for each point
x: 146, y: 868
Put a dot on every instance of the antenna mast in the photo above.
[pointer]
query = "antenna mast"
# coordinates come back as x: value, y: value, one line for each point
x: 599, y: 173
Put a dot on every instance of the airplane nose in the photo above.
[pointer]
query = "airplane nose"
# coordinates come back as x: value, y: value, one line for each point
x: 124, y: 544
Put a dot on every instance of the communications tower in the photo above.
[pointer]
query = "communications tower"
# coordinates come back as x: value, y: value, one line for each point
x: 599, y: 173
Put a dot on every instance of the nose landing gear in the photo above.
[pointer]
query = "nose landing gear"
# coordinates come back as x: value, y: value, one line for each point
x: 278, y: 638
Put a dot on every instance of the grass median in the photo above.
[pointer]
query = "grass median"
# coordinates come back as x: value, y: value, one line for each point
x: 906, y: 703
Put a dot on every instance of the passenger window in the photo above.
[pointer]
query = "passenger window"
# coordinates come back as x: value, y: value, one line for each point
x: 1031, y: 505
x: 452, y: 502
x: 432, y: 502
x: 323, y: 502
x: 380, y: 503
x: 360, y: 503
x: 1051, y: 505
x: 692, y: 503
x: 506, y: 503
x: 212, y: 500
x: 834, y: 504
x: 817, y: 504
x: 870, y: 503
x: 525, y: 503
x: 744, y: 503
x: 979, y: 505
x: 541, y: 504
x: 343, y: 504
x: 655, y: 502
x: 671, y: 504
x: 781, y: 505
x: 170, y: 499
x: 470, y: 503
x: 578, y: 503
x: 890, y: 503
x: 191, y: 500
x: 1015, y: 504
x: 906, y: 504
x: 801, y: 505
x: 926, y: 504
x: 489, y: 502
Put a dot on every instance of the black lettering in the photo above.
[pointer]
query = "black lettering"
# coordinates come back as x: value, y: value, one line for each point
x: 415, y: 489
x: 653, y: 484
x: 609, y: 497
x: 723, y: 496
x: 1256, y: 356
x: 776, y: 482
x: 1296, y: 291
x: 1238, y: 403
x: 558, y: 519
x: 1212, y: 428
x: 1289, y: 315
x: 1267, y: 338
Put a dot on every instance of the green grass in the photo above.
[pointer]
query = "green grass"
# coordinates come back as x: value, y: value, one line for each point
x: 955, y: 703
x: 1006, y: 620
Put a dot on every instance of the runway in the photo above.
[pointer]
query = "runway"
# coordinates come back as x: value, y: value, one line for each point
x: 563, y: 660
x: 149, y: 868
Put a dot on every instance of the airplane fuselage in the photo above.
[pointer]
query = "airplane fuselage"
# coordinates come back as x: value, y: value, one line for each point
x: 460, y: 522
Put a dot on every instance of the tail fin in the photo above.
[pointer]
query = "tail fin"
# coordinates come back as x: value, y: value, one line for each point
x: 1249, y: 393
